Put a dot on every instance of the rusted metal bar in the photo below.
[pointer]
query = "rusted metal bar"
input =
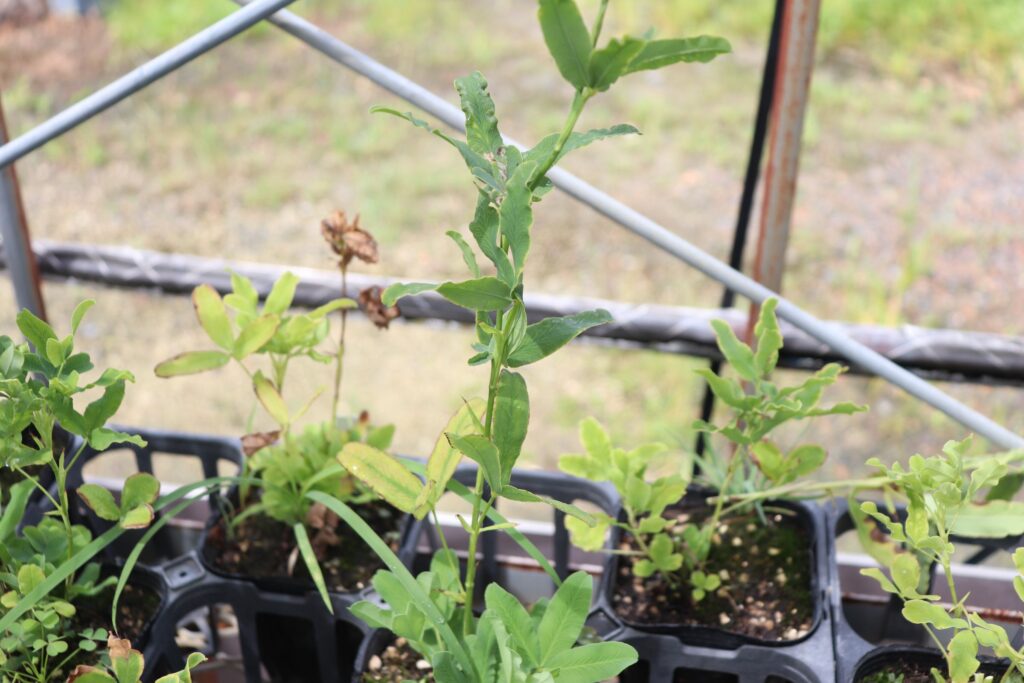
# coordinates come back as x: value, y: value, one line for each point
x: 17, y: 242
x: 792, y: 90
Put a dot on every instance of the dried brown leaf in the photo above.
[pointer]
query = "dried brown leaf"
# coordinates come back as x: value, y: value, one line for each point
x: 251, y: 443
x: 374, y: 308
x: 348, y: 240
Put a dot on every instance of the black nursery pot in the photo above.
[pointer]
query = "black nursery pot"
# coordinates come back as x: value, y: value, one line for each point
x: 907, y: 660
x: 677, y: 652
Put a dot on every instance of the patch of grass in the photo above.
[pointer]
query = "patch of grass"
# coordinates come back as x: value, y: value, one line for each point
x: 155, y: 25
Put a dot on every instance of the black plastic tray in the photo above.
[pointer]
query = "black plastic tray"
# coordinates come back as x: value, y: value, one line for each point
x: 702, y: 652
x: 876, y: 659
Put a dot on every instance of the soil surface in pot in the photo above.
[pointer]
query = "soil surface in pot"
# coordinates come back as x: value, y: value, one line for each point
x: 135, y: 610
x: 768, y: 592
x: 911, y: 672
x: 397, y: 663
x: 263, y: 548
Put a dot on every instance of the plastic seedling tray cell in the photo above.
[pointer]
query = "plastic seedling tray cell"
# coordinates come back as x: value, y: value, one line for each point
x: 698, y: 651
x: 879, y: 658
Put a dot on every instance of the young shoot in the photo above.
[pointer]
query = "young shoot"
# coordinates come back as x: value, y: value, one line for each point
x: 490, y: 430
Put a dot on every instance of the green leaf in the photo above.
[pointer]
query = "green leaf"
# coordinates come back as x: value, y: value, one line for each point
x: 517, y: 622
x: 137, y: 518
x: 212, y: 316
x: 396, y: 291
x: 515, y: 217
x: 995, y: 519
x: 803, y: 460
x: 482, y: 294
x: 660, y: 53
x: 587, y: 537
x: 102, y: 438
x: 511, y: 420
x: 467, y: 252
x: 1007, y: 487
x: 769, y: 339
x: 105, y: 407
x: 769, y: 460
x: 191, y: 362
x: 414, y: 590
x: 924, y: 612
x: 383, y: 473
x: 593, y: 662
x: 611, y: 61
x: 255, y: 336
x: 546, y: 147
x: 79, y: 313
x: 309, y: 558
x: 36, y: 331
x: 445, y: 457
x: 728, y: 390
x: 883, y: 580
x: 563, y: 619
x: 906, y: 573
x: 271, y: 399
x: 281, y: 294
x: 524, y: 496
x: 141, y: 488
x: 101, y: 501
x: 127, y: 665
x: 481, y: 122
x: 544, y: 338
x: 484, y: 228
x: 480, y: 450
x: 567, y: 39
x: 736, y: 353
x: 963, y: 657
x: 30, y: 576
x: 14, y: 510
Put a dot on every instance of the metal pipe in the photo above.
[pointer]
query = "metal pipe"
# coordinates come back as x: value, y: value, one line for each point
x: 856, y: 353
x: 782, y: 169
x: 21, y: 262
x: 139, y: 78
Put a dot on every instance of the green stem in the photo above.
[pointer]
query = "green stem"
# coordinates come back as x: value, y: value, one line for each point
x: 598, y: 23
x: 578, y: 102
x: 341, y: 348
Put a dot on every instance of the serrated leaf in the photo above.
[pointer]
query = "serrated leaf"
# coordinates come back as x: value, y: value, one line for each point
x: 544, y: 338
x: 101, y: 501
x: 212, y: 316
x: 769, y: 338
x: 383, y: 473
x: 660, y: 53
x: 481, y: 122
x: 736, y: 353
x: 567, y: 39
x: 191, y: 362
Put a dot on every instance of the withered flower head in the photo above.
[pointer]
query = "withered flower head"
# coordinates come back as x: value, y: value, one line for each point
x: 374, y: 308
x: 348, y: 240
x: 251, y: 443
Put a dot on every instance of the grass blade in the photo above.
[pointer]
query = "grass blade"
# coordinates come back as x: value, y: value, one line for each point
x: 309, y: 557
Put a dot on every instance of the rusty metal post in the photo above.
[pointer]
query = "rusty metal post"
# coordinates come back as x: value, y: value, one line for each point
x: 21, y: 262
x: 792, y: 90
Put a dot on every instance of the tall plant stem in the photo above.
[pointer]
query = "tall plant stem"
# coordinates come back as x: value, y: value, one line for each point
x: 595, y: 33
x: 340, y: 358
x: 578, y: 102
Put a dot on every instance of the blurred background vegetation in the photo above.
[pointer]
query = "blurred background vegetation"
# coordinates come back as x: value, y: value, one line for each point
x: 908, y: 212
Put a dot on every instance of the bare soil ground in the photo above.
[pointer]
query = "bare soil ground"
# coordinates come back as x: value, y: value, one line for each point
x: 909, y: 211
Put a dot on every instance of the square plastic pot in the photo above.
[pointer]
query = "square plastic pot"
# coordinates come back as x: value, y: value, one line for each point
x: 694, y: 653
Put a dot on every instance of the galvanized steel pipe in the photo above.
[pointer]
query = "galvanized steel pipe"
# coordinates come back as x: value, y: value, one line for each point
x: 139, y: 78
